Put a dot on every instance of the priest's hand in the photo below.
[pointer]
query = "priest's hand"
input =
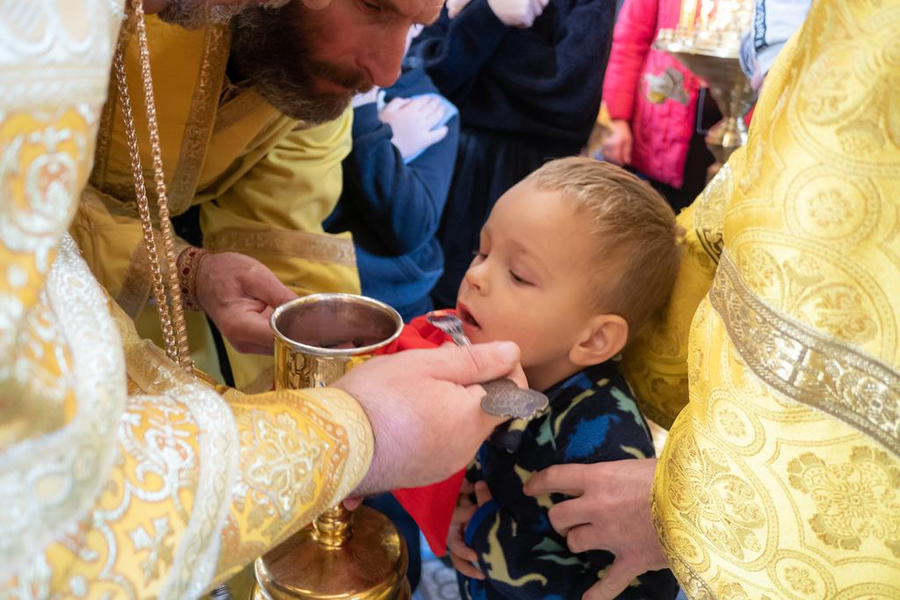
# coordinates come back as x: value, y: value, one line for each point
x: 239, y: 294
x: 610, y: 510
x: 425, y: 410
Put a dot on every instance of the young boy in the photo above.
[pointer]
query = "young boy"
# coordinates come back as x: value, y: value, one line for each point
x: 527, y: 84
x: 571, y: 263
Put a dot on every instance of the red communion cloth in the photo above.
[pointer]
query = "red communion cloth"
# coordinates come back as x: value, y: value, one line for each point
x: 432, y: 505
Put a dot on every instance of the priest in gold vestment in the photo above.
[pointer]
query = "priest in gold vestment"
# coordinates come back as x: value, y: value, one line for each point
x: 121, y: 476
x: 779, y: 357
x: 263, y: 181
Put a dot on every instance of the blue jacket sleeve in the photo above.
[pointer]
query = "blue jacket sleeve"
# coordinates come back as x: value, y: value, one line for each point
x: 409, y: 197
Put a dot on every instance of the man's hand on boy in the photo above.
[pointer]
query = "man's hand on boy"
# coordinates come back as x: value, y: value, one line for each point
x: 412, y: 121
x: 609, y: 510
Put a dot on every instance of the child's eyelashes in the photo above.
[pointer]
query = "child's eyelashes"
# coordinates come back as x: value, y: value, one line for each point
x: 519, y: 280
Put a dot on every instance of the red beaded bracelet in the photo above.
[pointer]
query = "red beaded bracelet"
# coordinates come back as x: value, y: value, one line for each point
x: 188, y: 267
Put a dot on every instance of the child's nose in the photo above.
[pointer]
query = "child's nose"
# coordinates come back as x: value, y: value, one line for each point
x: 476, y: 277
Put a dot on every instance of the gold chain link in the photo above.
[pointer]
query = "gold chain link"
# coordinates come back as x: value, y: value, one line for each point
x: 171, y: 319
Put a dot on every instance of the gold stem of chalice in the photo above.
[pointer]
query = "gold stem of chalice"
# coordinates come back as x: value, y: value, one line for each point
x: 358, y: 555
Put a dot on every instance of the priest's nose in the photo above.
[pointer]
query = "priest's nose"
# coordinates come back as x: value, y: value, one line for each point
x: 381, y: 59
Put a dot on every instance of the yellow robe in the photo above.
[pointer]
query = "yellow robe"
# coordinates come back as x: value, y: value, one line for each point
x: 119, y: 476
x: 264, y: 182
x: 781, y: 476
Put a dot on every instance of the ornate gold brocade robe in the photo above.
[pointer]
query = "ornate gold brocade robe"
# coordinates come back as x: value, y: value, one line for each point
x: 120, y: 477
x: 264, y: 182
x: 781, y: 476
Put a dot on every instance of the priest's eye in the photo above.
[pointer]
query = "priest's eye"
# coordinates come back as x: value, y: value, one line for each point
x: 370, y: 7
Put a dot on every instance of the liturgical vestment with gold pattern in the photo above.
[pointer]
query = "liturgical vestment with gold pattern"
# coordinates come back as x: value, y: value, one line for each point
x: 780, y: 478
x: 120, y: 476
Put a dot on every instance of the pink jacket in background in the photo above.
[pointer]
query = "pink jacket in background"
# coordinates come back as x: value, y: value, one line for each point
x: 651, y: 90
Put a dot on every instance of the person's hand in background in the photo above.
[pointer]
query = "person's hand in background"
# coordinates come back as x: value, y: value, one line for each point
x: 617, y: 147
x: 518, y: 13
x: 413, y: 121
x: 454, y: 7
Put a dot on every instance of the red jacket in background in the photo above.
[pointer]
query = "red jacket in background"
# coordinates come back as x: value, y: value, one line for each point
x: 651, y: 90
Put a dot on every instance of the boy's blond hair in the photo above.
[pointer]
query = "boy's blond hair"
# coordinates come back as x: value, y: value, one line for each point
x: 633, y: 228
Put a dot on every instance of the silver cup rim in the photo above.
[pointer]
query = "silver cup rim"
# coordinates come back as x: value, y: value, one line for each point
x: 335, y: 352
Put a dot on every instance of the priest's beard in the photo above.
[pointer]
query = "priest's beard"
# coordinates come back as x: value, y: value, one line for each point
x: 274, y: 50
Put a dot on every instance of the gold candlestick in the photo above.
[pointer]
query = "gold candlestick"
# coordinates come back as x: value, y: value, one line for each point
x: 707, y: 41
x: 359, y: 555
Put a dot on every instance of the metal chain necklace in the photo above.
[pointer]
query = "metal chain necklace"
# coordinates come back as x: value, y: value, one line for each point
x: 171, y: 316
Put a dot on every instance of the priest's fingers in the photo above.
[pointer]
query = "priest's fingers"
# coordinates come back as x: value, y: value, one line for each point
x: 561, y: 479
x: 265, y: 286
x: 472, y: 364
x: 566, y: 515
x: 585, y: 537
x: 247, y: 330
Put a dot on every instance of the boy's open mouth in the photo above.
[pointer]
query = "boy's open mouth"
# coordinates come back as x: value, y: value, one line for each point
x: 466, y: 317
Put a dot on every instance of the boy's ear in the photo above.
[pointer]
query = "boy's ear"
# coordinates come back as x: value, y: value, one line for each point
x: 603, y: 338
